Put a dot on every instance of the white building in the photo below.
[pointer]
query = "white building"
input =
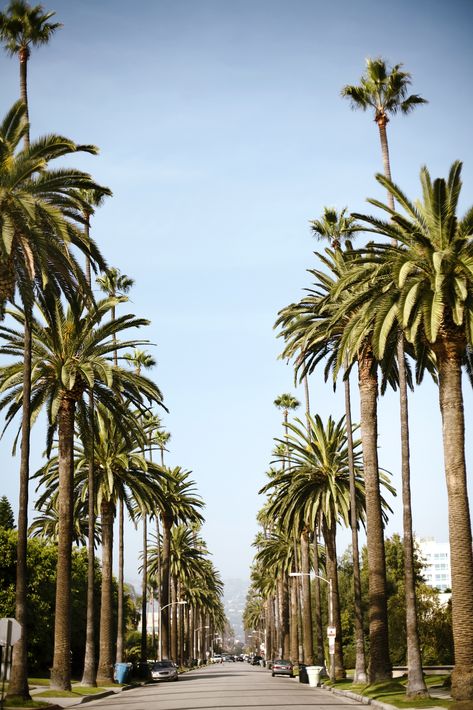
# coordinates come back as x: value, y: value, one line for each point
x: 436, y: 558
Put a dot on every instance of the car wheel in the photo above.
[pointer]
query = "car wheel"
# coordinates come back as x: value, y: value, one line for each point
x: 291, y: 675
x: 273, y: 674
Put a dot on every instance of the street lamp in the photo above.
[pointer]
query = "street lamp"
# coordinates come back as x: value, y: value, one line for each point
x: 331, y: 631
x: 159, y: 624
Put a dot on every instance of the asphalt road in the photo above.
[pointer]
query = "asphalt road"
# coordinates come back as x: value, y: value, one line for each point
x: 229, y: 685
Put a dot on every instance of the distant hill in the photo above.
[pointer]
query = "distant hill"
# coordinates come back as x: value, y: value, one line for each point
x: 234, y: 601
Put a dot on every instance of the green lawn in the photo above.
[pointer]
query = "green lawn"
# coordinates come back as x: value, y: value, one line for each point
x: 393, y: 692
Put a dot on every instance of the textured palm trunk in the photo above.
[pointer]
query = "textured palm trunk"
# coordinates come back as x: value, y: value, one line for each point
x: 284, y: 600
x: 144, y: 591
x: 89, y: 674
x: 306, y: 602
x: 23, y: 56
x: 329, y: 533
x: 269, y: 624
x: 360, y: 659
x: 382, y: 122
x: 320, y: 657
x: 61, y: 670
x: 380, y: 665
x: 105, y: 664
x: 453, y: 430
x: 294, y: 618
x: 173, y: 624
x: 164, y: 611
x: 121, y: 582
x: 415, y: 678
x: 18, y: 685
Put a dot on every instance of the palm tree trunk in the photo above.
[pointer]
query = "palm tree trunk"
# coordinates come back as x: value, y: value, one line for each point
x: 453, y: 429
x: 380, y: 665
x: 18, y: 685
x: 382, y: 123
x: 415, y: 678
x: 360, y: 660
x: 294, y: 617
x: 23, y: 56
x: 318, y: 605
x: 121, y: 582
x: 306, y: 602
x: 329, y: 533
x: 284, y: 600
x: 144, y: 599
x: 173, y: 624
x: 164, y: 611
x: 61, y: 670
x: 89, y: 674
x: 105, y: 664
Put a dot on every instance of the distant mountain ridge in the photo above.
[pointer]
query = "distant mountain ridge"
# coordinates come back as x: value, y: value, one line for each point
x: 234, y: 601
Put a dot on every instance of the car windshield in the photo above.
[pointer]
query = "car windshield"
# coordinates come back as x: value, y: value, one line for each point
x: 162, y: 664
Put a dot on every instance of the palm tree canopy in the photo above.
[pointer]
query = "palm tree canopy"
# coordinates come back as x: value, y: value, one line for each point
x: 334, y: 226
x: 181, y: 503
x: 40, y: 212
x: 431, y: 269
x: 23, y: 25
x: 72, y: 350
x: 383, y: 89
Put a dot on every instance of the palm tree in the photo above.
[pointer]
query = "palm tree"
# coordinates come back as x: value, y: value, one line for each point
x: 70, y: 352
x: 39, y: 223
x: 337, y: 227
x: 317, y: 328
x: 114, y: 283
x: 21, y: 27
x: 181, y: 505
x: 122, y: 473
x: 428, y: 286
x: 385, y: 91
x: 317, y: 484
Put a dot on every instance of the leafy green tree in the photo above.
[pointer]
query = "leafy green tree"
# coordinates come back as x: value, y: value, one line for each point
x: 7, y: 519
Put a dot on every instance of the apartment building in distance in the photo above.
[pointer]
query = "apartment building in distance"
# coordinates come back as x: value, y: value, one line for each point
x: 436, y: 558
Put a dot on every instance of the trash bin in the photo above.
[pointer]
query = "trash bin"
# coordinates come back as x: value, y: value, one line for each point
x: 303, y: 677
x: 313, y: 673
x: 122, y: 672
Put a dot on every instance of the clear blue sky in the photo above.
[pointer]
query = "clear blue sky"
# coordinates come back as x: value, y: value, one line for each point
x: 222, y: 133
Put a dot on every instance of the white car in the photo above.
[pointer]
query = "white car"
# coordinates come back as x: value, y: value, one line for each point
x: 163, y: 670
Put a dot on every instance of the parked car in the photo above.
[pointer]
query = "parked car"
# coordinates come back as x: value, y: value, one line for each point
x: 163, y: 670
x: 282, y: 667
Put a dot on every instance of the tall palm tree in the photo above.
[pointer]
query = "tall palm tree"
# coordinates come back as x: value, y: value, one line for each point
x: 39, y: 224
x: 385, y: 91
x: 20, y: 27
x: 70, y: 352
x: 319, y: 328
x: 428, y: 285
x: 336, y: 227
x: 122, y: 473
x: 181, y: 505
x: 23, y: 26
x: 114, y: 283
x: 317, y: 484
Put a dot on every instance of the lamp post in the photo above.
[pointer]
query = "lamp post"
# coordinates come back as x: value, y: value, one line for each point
x: 331, y: 630
x: 159, y: 625
x: 197, y: 649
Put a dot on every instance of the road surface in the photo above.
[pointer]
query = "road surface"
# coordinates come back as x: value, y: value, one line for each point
x: 234, y: 686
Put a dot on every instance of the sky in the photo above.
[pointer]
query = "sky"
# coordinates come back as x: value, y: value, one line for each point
x: 222, y: 133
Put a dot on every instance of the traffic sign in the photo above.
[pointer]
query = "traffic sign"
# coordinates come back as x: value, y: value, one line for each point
x: 10, y: 631
x: 331, y: 631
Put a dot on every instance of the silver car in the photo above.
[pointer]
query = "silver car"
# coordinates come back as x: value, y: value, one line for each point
x: 163, y: 670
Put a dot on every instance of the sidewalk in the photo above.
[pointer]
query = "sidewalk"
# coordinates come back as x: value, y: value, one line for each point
x: 66, y: 702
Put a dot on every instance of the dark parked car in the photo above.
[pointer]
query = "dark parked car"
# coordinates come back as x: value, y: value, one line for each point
x: 281, y: 667
x: 163, y: 670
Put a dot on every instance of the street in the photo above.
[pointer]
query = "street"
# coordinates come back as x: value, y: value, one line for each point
x: 231, y: 685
